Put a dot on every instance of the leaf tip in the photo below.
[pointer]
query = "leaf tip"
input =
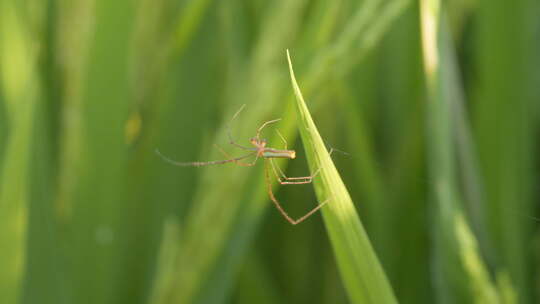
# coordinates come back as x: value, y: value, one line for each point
x: 290, y: 63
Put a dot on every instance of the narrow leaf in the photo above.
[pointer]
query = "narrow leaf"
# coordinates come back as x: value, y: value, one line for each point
x: 359, y: 267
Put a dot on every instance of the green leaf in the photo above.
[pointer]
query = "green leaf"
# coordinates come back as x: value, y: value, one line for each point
x: 360, y: 269
x: 461, y: 274
x: 20, y: 90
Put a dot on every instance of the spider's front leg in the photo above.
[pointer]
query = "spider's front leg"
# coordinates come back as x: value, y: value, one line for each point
x: 244, y: 164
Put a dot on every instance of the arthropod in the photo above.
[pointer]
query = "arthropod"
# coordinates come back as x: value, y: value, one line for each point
x: 261, y: 151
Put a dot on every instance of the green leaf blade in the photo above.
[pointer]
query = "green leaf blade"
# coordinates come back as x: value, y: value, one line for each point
x: 362, y: 274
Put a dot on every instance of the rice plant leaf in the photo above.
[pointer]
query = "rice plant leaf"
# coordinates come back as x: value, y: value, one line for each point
x: 20, y: 92
x: 96, y: 199
x: 361, y: 272
x: 506, y: 134
x: 461, y: 274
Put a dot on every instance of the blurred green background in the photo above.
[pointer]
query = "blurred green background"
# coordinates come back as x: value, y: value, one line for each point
x: 437, y: 104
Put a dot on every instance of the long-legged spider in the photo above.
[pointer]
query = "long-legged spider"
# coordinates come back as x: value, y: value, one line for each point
x: 268, y: 154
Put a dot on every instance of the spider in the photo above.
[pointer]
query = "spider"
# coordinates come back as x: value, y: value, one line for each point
x: 260, y: 150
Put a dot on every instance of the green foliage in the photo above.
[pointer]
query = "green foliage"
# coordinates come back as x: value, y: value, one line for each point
x: 360, y: 269
x: 436, y: 103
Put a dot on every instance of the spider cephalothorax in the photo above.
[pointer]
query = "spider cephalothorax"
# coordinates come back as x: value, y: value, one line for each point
x: 259, y: 143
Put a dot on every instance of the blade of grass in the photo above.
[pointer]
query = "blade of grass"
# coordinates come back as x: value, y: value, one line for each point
x: 168, y: 250
x: 361, y: 34
x: 504, y: 124
x: 360, y: 269
x: 470, y: 180
x: 20, y: 85
x: 45, y: 276
x: 401, y: 129
x: 322, y: 24
x: 157, y: 42
x: 3, y: 127
x: 460, y: 273
x: 97, y: 197
x: 448, y: 279
x: 189, y: 20
x: 482, y: 288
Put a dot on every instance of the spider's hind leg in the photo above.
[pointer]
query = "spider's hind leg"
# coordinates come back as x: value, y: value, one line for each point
x: 284, y: 180
x: 280, y: 208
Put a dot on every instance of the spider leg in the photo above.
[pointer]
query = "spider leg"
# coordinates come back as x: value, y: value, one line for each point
x: 264, y: 125
x: 199, y: 164
x: 296, y: 180
x: 284, y: 180
x: 280, y: 208
x: 237, y: 161
x: 282, y: 138
x: 229, y: 135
